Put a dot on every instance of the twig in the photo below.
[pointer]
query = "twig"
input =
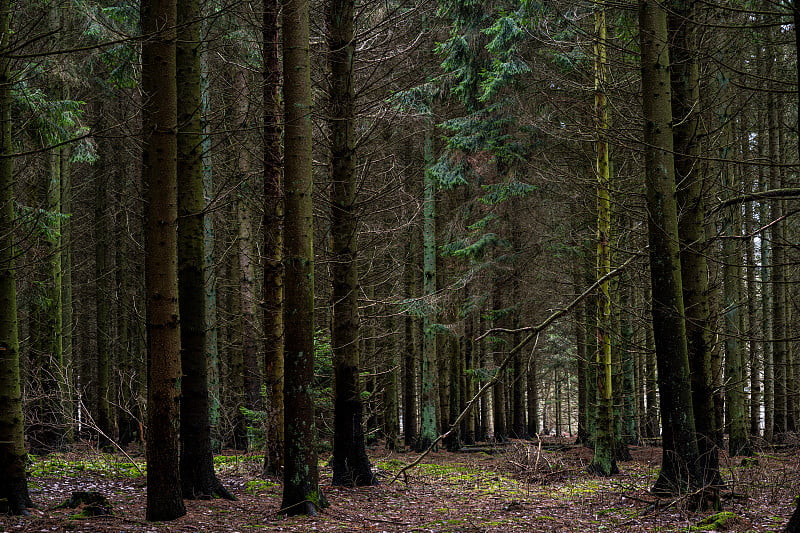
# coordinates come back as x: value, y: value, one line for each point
x: 534, y: 332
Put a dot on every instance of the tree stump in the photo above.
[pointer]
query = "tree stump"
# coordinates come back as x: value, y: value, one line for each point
x: 91, y: 503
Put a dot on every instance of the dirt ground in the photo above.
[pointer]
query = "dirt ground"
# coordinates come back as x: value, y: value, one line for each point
x: 524, y: 486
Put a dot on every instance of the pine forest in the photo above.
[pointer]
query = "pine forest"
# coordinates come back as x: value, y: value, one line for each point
x: 399, y: 265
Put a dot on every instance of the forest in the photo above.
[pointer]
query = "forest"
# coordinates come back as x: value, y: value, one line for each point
x: 311, y: 259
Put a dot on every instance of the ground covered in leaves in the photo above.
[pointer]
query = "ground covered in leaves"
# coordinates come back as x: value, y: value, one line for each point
x: 523, y: 486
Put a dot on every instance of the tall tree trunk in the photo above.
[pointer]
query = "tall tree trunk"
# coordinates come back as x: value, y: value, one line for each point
x: 13, y: 459
x: 273, y: 243
x: 244, y: 215
x: 210, y: 278
x: 680, y: 453
x: 428, y: 430
x: 196, y: 460
x: 604, y: 460
x: 47, y: 429
x: 739, y: 443
x: 159, y: 176
x: 391, y: 406
x: 410, y: 344
x: 301, y: 491
x: 350, y: 463
x: 103, y: 297
x: 778, y: 275
x: 694, y: 269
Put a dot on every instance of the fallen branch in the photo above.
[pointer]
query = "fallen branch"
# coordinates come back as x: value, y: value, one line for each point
x: 533, y: 333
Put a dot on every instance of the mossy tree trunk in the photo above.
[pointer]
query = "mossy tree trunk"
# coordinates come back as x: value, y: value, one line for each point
x: 301, y: 491
x: 13, y: 459
x: 196, y: 459
x: 410, y: 344
x: 604, y: 461
x: 679, y: 470
x: 428, y: 429
x: 691, y: 232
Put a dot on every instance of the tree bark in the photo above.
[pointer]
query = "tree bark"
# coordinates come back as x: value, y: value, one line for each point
x: 685, y: 86
x: 679, y: 469
x: 273, y: 244
x: 13, y: 459
x: 301, y: 491
x: 159, y: 175
x: 350, y: 463
x: 196, y: 460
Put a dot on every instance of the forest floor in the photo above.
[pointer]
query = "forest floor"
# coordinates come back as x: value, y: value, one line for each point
x: 523, y: 486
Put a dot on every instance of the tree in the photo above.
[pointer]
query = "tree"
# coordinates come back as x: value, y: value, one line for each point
x: 350, y: 462
x: 428, y: 428
x: 273, y: 243
x: 604, y: 461
x: 159, y: 174
x: 680, y: 453
x: 685, y: 86
x: 301, y: 492
x: 13, y: 480
x: 196, y: 458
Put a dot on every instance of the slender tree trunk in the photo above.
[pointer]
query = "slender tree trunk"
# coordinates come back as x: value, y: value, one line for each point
x: 428, y: 430
x: 102, y: 414
x: 159, y: 174
x: 604, y: 460
x: 244, y: 215
x: 273, y: 243
x: 410, y: 343
x: 210, y: 278
x: 680, y: 453
x: 196, y: 461
x: 777, y: 276
x: 13, y: 459
x: 301, y: 491
x: 391, y: 405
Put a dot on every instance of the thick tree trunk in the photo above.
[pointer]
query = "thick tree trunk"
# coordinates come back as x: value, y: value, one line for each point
x: 301, y: 491
x: 350, y: 463
x: 13, y: 459
x: 694, y: 269
x: 196, y: 461
x: 680, y: 468
x: 159, y: 175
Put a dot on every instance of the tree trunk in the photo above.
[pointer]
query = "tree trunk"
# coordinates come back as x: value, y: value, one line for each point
x: 244, y: 215
x: 103, y: 297
x: 13, y: 459
x: 410, y: 343
x: 604, y: 460
x: 679, y: 468
x: 301, y: 491
x: 777, y: 276
x: 159, y: 176
x: 273, y: 243
x: 196, y: 460
x: 428, y: 430
x: 694, y: 269
x: 350, y: 463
